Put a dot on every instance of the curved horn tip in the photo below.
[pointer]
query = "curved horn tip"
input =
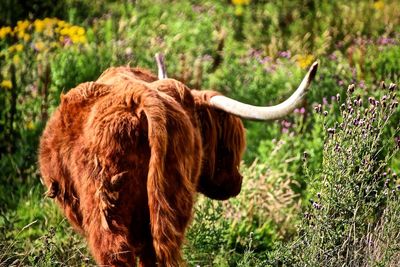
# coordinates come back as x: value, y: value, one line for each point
x: 313, y: 70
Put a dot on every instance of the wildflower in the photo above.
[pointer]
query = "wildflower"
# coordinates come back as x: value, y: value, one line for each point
x: 19, y: 47
x: 39, y: 46
x: 239, y: 10
x: 6, y: 84
x: 350, y: 89
x: 30, y: 125
x: 379, y: 5
x: 39, y: 25
x: 22, y: 25
x: 240, y: 2
x: 285, y: 54
x: 318, y: 108
x: 26, y: 37
x: 62, y: 24
x: 331, y: 130
x: 80, y: 31
x: 303, y: 61
x: 317, y: 206
x: 16, y: 59
x: 4, y: 31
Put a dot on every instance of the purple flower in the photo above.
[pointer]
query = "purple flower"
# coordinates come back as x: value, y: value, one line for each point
x: 386, y: 41
x: 264, y: 60
x: 285, y: 54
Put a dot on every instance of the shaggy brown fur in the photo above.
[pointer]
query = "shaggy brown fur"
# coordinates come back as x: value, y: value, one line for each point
x: 124, y: 157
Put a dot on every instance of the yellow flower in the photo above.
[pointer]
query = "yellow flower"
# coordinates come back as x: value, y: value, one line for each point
x: 30, y: 125
x: 64, y: 31
x: 19, y: 47
x: 16, y: 48
x: 73, y: 29
x: 39, y: 46
x: 6, y: 84
x: 20, y: 34
x: 238, y: 10
x: 11, y: 49
x: 379, y: 5
x: 240, y: 2
x: 4, y: 31
x: 80, y: 31
x: 304, y: 60
x: 49, y: 21
x: 61, y: 23
x: 16, y: 59
x: 22, y: 25
x: 27, y: 37
x: 39, y: 25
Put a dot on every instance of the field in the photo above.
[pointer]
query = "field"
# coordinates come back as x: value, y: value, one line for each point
x: 321, y: 188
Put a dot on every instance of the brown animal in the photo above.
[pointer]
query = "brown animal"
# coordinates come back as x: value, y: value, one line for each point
x: 125, y: 155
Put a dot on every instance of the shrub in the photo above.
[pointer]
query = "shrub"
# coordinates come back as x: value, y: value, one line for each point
x: 353, y: 218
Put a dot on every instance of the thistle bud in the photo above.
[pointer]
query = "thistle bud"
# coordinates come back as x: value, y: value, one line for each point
x: 350, y: 89
x: 392, y: 87
x: 371, y: 100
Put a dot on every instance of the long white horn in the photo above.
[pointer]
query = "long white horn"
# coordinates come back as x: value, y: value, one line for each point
x: 162, y: 72
x: 266, y: 113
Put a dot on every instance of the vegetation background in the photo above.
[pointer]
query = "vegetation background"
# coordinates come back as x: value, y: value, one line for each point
x: 320, y: 188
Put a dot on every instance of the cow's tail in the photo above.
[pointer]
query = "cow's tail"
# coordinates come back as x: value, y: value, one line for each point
x: 169, y: 186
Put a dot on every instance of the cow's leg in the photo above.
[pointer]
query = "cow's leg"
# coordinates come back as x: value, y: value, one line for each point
x: 148, y: 256
x: 110, y: 248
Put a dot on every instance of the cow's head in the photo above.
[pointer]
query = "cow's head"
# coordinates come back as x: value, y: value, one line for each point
x: 223, y: 133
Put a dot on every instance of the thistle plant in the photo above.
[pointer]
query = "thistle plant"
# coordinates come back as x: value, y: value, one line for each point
x: 356, y: 198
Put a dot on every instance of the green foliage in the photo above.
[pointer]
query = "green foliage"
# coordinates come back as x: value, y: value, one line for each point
x: 253, y: 51
x: 352, y: 217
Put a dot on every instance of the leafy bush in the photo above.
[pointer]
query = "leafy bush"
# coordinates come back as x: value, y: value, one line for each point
x: 352, y: 219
